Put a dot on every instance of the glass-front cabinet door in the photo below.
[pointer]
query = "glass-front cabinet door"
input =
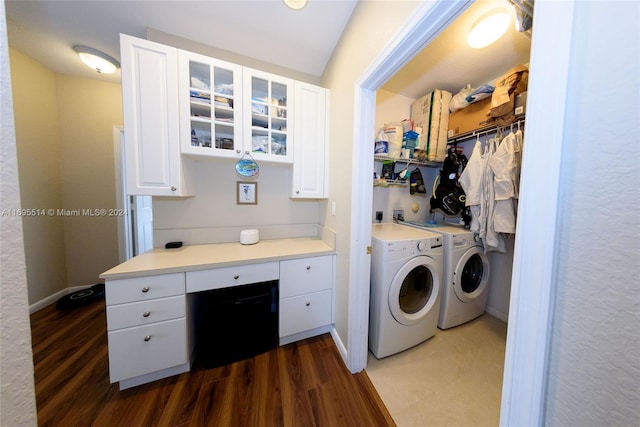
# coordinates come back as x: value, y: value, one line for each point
x: 210, y: 100
x: 268, y: 109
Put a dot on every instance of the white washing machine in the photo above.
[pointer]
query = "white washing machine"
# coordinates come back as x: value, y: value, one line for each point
x: 406, y: 270
x: 465, y: 284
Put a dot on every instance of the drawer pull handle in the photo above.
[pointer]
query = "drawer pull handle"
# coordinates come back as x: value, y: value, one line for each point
x: 308, y: 267
x: 146, y: 314
x: 147, y: 338
x: 145, y: 289
x: 307, y: 304
x: 236, y: 276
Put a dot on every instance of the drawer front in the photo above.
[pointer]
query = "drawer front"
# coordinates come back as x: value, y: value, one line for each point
x: 143, y: 288
x: 301, y: 276
x: 225, y: 277
x: 301, y: 313
x: 145, y: 349
x: 145, y: 312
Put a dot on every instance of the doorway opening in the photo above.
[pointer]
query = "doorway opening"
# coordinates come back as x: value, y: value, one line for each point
x: 135, y: 229
x: 531, y: 307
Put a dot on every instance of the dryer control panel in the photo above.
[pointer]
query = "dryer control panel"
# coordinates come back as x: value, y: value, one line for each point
x: 414, y: 247
x: 426, y: 245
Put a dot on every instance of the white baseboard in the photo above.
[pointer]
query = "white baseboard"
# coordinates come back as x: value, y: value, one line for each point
x: 53, y: 298
x: 497, y: 313
x: 341, y: 348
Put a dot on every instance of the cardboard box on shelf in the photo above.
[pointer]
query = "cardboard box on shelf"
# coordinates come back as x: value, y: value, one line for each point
x: 471, y: 118
x: 430, y: 114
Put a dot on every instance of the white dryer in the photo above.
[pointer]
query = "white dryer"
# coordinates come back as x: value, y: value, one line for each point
x: 466, y: 277
x: 406, y: 271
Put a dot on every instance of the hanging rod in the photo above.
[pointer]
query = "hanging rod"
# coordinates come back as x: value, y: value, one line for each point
x: 482, y: 131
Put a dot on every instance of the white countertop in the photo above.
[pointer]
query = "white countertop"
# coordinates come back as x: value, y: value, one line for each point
x: 202, y: 257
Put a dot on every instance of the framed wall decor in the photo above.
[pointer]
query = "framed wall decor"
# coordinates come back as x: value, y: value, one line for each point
x: 246, y: 193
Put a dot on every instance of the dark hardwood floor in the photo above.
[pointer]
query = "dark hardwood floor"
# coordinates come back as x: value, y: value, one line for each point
x: 300, y: 384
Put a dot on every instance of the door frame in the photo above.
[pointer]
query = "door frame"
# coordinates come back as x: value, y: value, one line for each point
x: 534, y: 264
x: 129, y: 233
x: 125, y: 244
x: 425, y: 23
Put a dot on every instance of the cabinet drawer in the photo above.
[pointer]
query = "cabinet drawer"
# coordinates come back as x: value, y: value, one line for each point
x: 143, y: 288
x: 145, y: 349
x: 304, y: 312
x: 301, y: 276
x: 225, y: 277
x: 144, y: 312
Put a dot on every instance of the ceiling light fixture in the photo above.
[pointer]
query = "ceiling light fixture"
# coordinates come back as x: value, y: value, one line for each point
x: 489, y: 28
x: 295, y: 4
x: 96, y: 60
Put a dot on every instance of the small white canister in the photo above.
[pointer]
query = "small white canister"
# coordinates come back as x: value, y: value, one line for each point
x: 249, y: 237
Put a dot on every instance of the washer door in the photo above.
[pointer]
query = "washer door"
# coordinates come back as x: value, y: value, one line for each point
x: 471, y: 275
x: 414, y: 290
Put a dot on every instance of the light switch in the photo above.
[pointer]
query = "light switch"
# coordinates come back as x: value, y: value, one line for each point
x: 333, y: 208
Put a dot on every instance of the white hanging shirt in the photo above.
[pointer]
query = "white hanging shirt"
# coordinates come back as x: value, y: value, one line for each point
x: 505, y: 166
x: 493, y: 241
x: 471, y: 180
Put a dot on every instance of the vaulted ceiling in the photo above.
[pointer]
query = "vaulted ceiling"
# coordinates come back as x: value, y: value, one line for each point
x: 266, y: 30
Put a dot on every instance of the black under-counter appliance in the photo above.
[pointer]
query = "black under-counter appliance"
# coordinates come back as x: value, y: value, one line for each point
x: 236, y: 323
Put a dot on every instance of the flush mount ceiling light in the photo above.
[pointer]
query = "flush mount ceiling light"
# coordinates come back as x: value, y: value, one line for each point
x: 295, y: 4
x: 101, y: 62
x: 489, y: 28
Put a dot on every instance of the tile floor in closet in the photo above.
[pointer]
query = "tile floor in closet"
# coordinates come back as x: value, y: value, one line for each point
x: 452, y: 379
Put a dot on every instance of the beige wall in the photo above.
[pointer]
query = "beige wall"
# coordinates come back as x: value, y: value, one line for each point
x: 214, y: 206
x: 64, y: 133
x: 88, y: 109
x: 38, y: 146
x: 372, y: 26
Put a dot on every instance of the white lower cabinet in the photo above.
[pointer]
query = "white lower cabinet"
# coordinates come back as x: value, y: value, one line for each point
x: 225, y: 277
x: 306, y: 295
x: 150, y: 319
x: 305, y: 312
x: 147, y: 328
x: 148, y: 348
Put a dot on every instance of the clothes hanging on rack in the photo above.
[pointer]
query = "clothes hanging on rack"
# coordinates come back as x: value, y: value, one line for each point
x: 471, y: 181
x: 493, y: 241
x: 505, y: 165
x: 490, y: 181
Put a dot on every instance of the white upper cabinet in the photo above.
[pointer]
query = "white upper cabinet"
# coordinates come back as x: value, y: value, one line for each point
x: 310, y: 157
x: 180, y: 105
x: 154, y: 165
x: 268, y: 125
x: 210, y: 106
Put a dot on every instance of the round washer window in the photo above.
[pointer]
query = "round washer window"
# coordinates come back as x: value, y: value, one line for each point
x: 416, y: 290
x: 472, y: 274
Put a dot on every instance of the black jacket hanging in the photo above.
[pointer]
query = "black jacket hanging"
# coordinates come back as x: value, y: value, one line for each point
x: 448, y: 196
